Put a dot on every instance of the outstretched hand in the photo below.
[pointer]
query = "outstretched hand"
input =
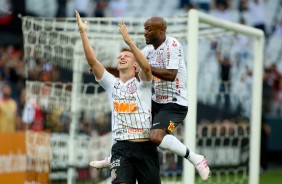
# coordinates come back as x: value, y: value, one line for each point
x: 82, y: 25
x: 124, y: 32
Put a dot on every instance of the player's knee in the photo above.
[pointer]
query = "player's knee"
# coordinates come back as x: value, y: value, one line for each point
x: 156, y: 136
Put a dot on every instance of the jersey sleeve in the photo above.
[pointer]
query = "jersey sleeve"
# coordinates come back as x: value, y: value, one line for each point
x: 173, y: 54
x: 145, y: 84
x: 107, y: 80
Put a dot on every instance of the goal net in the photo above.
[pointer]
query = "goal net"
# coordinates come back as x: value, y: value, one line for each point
x: 77, y: 110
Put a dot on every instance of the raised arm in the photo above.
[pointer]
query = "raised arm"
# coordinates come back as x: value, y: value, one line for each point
x: 96, y: 67
x: 145, y: 73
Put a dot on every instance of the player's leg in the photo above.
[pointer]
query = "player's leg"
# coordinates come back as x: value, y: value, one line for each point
x: 147, y: 163
x: 168, y: 117
x: 122, y: 169
x: 164, y: 123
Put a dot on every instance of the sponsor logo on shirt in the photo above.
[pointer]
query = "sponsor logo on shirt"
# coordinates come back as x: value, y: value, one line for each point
x: 167, y: 55
x: 135, y: 130
x: 179, y: 54
x: 122, y: 98
x: 162, y: 97
x: 124, y: 107
x: 174, y: 44
x: 177, y: 82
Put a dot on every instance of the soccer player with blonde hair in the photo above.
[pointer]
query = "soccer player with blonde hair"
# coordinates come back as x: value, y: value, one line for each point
x: 134, y: 157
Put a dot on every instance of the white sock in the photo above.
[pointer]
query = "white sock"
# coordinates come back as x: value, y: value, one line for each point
x: 172, y: 144
x: 194, y: 158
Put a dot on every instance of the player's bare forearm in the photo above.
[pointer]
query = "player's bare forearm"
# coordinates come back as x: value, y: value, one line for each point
x: 96, y: 67
x: 164, y: 74
x: 142, y: 61
x: 88, y: 50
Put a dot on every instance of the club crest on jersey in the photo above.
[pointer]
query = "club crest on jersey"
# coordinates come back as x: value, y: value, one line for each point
x: 171, y: 127
x: 159, y: 59
x: 131, y: 88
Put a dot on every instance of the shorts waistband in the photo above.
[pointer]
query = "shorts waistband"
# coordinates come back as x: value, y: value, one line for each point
x: 134, y: 142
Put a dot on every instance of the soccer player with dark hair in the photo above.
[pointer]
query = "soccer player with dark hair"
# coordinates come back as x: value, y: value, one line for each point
x: 169, y: 100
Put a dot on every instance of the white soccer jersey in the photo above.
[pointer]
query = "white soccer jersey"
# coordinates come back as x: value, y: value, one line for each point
x: 131, y: 106
x: 169, y: 55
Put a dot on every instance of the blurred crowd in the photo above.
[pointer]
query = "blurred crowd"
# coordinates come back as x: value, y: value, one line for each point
x: 18, y: 113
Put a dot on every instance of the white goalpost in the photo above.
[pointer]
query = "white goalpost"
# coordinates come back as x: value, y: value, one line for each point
x: 195, y: 18
x: 57, y: 41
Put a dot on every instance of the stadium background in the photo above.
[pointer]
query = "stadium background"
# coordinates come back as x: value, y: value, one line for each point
x: 13, y: 68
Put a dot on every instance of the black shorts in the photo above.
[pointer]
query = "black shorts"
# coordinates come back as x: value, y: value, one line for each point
x: 133, y: 161
x: 167, y: 116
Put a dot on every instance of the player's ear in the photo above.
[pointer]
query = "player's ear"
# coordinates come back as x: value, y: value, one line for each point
x: 162, y: 32
x: 135, y: 64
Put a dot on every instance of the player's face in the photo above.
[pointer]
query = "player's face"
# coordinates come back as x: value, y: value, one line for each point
x: 150, y: 32
x: 126, y: 60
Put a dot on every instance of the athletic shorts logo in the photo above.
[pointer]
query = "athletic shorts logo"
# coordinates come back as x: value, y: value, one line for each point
x: 115, y: 163
x: 113, y: 174
x: 171, y: 127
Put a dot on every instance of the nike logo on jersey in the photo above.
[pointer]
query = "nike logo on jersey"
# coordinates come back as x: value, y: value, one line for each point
x: 156, y: 124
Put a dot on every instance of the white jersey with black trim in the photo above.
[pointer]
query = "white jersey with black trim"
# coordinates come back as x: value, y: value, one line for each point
x: 131, y: 106
x: 169, y: 55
